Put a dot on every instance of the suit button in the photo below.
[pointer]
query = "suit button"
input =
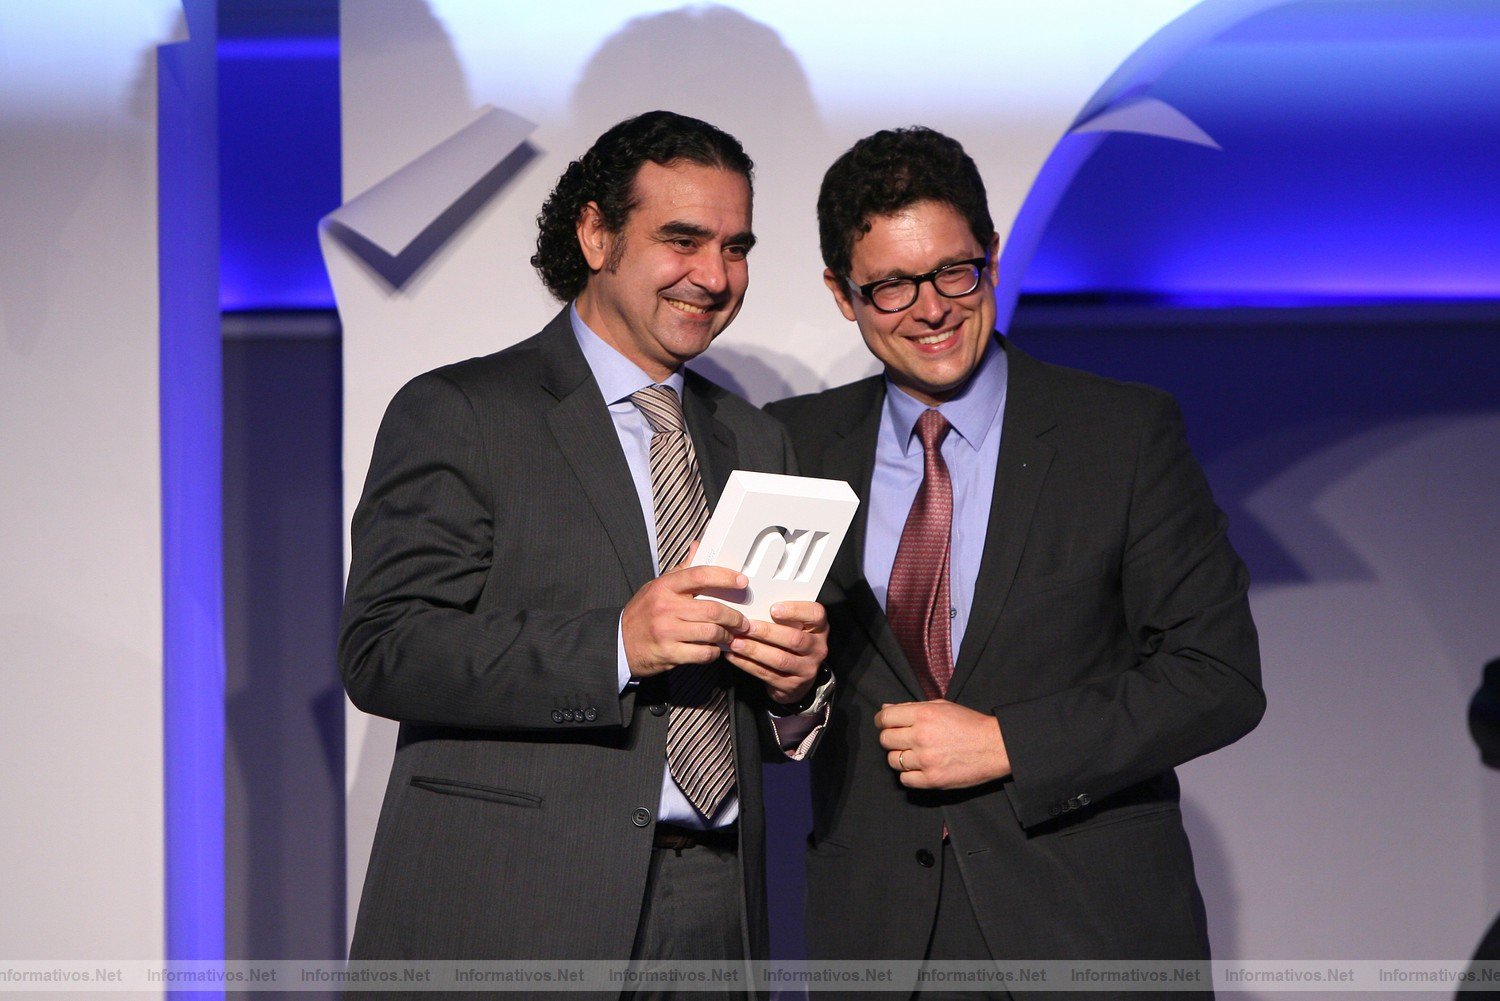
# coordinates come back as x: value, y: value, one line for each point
x: 557, y: 716
x: 591, y: 714
x: 1083, y: 799
x: 925, y: 859
x: 1073, y: 803
x: 1053, y: 810
x: 569, y: 715
x: 641, y: 817
x: 659, y: 709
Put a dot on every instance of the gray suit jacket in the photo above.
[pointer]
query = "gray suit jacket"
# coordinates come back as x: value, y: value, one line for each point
x: 1111, y: 637
x: 497, y: 540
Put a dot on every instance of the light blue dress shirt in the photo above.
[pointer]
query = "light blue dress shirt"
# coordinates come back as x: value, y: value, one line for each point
x: 971, y: 451
x: 618, y: 377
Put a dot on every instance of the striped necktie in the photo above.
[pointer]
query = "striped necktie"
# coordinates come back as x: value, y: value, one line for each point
x: 700, y: 751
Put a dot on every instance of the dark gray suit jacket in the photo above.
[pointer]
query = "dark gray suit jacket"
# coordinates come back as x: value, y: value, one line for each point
x: 497, y: 540
x: 1111, y: 637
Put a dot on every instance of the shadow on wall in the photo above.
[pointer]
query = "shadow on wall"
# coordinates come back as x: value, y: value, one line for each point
x: 759, y: 377
x: 717, y: 64
x: 432, y: 103
x: 713, y: 59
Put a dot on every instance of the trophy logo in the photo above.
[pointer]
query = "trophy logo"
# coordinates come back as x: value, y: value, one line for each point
x: 794, y: 553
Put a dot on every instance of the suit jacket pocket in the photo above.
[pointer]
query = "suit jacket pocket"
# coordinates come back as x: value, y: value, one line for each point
x: 825, y: 847
x: 473, y: 790
x: 1129, y: 814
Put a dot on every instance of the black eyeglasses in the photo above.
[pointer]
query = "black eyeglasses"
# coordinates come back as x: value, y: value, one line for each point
x: 892, y: 295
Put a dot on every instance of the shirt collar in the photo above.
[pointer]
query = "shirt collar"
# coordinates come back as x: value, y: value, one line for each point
x: 616, y: 375
x: 972, y: 412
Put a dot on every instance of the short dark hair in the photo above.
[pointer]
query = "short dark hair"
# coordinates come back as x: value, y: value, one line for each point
x: 606, y: 174
x: 884, y: 173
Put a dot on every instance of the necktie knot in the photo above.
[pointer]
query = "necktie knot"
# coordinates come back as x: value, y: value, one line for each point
x: 662, y: 409
x: 932, y: 427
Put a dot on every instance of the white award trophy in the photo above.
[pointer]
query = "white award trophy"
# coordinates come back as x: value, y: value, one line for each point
x: 782, y: 532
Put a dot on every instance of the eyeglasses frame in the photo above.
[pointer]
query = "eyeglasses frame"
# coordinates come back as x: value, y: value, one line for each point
x: 867, y: 290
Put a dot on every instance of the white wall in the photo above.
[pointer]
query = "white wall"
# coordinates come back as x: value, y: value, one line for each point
x: 80, y: 545
x: 1353, y: 823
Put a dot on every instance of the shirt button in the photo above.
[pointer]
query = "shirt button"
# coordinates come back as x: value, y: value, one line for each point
x: 925, y: 859
x: 641, y: 817
x: 952, y: 613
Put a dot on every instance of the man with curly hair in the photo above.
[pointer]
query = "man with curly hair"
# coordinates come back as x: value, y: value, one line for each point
x: 578, y: 770
x: 1034, y: 618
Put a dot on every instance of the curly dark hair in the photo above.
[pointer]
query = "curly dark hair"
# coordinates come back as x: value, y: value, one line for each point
x: 605, y: 175
x: 885, y: 172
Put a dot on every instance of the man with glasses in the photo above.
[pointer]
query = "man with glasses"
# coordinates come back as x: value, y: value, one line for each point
x: 1035, y: 617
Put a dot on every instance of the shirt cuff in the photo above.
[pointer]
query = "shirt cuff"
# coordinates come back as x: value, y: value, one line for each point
x: 798, y: 734
x: 622, y: 666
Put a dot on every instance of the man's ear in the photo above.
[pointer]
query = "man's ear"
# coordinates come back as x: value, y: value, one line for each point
x: 994, y: 266
x: 840, y: 291
x: 594, y: 238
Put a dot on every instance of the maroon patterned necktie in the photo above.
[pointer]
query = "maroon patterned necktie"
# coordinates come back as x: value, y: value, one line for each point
x: 700, y: 747
x: 917, y: 602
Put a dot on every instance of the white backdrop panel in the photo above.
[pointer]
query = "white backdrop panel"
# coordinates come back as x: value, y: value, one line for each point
x: 80, y: 564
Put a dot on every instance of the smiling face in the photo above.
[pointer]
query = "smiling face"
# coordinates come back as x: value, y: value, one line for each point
x: 932, y: 347
x: 674, y: 276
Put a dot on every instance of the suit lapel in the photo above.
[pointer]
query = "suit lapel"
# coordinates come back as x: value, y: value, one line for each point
x: 1022, y: 468
x: 713, y: 442
x: 581, y: 425
x: 852, y: 459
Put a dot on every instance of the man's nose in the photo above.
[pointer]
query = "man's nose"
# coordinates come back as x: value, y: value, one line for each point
x: 709, y: 272
x: 931, y: 306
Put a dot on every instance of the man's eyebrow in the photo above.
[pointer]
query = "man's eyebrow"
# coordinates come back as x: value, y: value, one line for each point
x: 684, y: 229
x: 951, y: 259
x: 696, y: 232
